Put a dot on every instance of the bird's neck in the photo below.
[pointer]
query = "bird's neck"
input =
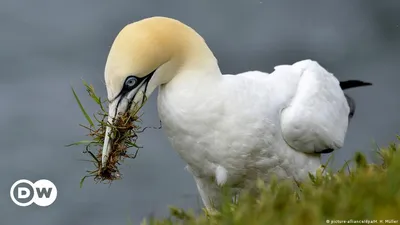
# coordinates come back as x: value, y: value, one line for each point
x: 191, y: 64
x: 191, y: 94
x: 194, y: 77
x: 195, y: 80
x: 191, y: 87
x: 197, y: 57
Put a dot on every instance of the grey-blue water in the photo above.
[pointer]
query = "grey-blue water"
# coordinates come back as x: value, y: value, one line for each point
x: 48, y: 45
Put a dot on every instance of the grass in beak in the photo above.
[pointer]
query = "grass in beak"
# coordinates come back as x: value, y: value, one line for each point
x: 123, y: 136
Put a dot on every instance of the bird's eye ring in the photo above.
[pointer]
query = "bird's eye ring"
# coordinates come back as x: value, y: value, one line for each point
x: 130, y: 81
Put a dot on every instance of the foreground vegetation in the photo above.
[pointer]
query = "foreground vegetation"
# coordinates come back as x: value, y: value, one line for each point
x: 365, y: 194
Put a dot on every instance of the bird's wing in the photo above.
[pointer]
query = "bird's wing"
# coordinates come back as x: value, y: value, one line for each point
x: 316, y: 119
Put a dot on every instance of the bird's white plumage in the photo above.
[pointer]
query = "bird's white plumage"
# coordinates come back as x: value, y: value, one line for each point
x: 221, y: 175
x: 316, y: 118
x: 253, y: 124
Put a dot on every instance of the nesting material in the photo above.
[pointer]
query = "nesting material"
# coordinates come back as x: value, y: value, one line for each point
x: 124, y: 132
x: 123, y: 136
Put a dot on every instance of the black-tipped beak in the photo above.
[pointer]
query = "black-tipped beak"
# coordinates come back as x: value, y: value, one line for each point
x: 130, y: 99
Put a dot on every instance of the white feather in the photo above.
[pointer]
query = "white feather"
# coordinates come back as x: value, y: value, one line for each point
x: 221, y: 175
x: 252, y: 125
x: 317, y: 117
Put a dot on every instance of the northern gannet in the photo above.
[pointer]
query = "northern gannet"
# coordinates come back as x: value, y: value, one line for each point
x: 230, y: 129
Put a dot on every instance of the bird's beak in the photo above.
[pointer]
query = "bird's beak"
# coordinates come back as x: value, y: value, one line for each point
x: 112, y: 113
x: 124, y: 102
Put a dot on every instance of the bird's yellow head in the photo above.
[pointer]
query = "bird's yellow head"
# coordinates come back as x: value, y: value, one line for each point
x: 144, y: 55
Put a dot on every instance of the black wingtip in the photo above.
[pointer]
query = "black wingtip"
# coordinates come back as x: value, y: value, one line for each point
x: 353, y: 83
x: 325, y: 151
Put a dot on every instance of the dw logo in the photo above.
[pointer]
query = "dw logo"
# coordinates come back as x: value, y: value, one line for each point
x: 42, y: 192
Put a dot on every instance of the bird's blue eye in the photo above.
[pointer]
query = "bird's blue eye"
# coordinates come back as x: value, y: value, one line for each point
x: 130, y: 81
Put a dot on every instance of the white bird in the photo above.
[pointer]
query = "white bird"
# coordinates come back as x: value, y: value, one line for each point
x: 230, y: 129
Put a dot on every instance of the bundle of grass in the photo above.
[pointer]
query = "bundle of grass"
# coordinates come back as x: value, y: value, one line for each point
x: 124, y: 136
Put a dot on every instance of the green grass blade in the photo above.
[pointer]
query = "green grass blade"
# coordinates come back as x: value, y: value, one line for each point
x: 82, y: 180
x: 82, y: 109
x: 84, y: 142
x: 91, y: 92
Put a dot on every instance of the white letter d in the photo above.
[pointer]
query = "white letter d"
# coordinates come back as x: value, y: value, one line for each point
x: 23, y: 192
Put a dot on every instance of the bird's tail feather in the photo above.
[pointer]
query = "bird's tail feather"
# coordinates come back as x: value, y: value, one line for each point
x: 353, y: 83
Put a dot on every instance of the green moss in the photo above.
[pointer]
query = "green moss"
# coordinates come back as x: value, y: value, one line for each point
x: 366, y: 193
